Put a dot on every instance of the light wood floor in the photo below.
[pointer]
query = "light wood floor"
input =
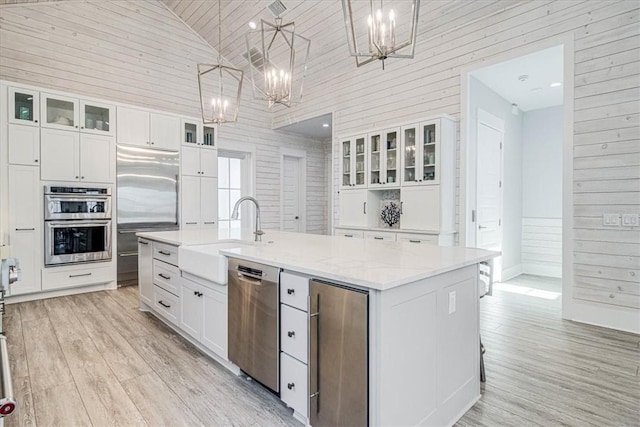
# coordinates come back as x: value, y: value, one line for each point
x: 94, y: 359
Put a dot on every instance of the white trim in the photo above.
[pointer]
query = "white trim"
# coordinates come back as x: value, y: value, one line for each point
x: 511, y: 272
x: 567, y: 41
x: 301, y: 155
x: 44, y: 294
x: 248, y: 152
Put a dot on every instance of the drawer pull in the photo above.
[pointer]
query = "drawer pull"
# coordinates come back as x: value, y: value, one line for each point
x: 190, y: 223
x: 164, y: 276
x: 414, y: 241
x: 209, y: 222
x: 291, y: 334
x: 378, y: 238
x: 80, y: 275
x: 142, y: 242
x: 291, y: 291
x: 348, y: 235
x: 198, y: 294
x: 163, y: 304
x: 290, y: 386
x: 164, y: 253
x: 25, y: 229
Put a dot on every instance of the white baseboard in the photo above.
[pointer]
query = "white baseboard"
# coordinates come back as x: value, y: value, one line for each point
x: 604, y: 315
x: 511, y: 272
x: 60, y: 293
x: 542, y: 269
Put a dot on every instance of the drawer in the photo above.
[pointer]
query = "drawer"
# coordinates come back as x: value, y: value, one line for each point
x: 349, y: 233
x: 166, y: 276
x: 418, y: 238
x: 293, y: 332
x: 293, y: 384
x: 166, y: 253
x: 294, y: 290
x: 58, y: 277
x: 380, y: 235
x: 166, y: 304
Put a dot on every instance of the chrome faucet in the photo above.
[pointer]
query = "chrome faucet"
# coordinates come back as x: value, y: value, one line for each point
x: 235, y: 214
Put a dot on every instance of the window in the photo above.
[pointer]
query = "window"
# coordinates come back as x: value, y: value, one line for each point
x: 232, y: 184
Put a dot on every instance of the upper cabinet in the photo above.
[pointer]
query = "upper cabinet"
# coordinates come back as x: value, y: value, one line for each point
x: 59, y: 112
x: 195, y: 134
x: 153, y: 130
x: 24, y: 106
x: 383, y: 158
x: 24, y: 145
x: 421, y: 153
x: 97, y: 118
x: 353, y: 162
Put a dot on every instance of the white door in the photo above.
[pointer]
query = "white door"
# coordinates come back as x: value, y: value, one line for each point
x: 353, y: 208
x: 133, y: 126
x: 488, y: 188
x: 24, y: 145
x: 191, y: 161
x: 97, y: 158
x: 190, y: 201
x: 214, y: 326
x: 165, y: 131
x: 208, y: 202
x: 59, y: 151
x: 420, y: 208
x: 291, y: 194
x: 209, y: 162
x: 191, y: 302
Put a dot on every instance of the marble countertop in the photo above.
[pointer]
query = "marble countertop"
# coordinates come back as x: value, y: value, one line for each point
x: 372, y: 264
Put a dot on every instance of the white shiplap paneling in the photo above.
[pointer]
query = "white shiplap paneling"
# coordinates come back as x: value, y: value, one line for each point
x: 542, y: 246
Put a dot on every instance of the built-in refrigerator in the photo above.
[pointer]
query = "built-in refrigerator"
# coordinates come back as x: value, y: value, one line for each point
x: 147, y: 200
x: 338, y: 355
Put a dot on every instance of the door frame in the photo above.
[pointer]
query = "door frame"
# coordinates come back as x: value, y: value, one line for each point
x: 301, y: 155
x: 248, y: 152
x: 567, y: 42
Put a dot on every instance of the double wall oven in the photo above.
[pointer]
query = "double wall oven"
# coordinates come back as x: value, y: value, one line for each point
x: 77, y: 224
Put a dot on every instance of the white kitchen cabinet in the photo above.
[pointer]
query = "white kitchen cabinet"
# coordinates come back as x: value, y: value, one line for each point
x: 380, y: 235
x: 353, y: 162
x: 145, y: 271
x: 383, y: 159
x: 133, y: 126
x: 294, y: 388
x: 191, y: 133
x: 59, y: 112
x: 208, y: 202
x: 165, y: 131
x: 191, y: 310
x: 97, y: 118
x: 421, y: 146
x: 71, y: 156
x: 355, y: 207
x: 214, y: 326
x: 25, y: 231
x: 147, y: 129
x: 293, y: 332
x: 24, y: 106
x: 199, y: 201
x: 420, y: 208
x: 199, y: 162
x: 24, y: 145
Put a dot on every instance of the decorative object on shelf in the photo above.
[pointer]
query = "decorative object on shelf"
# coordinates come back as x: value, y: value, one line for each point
x: 390, y: 214
x: 220, y: 87
x: 377, y: 29
x: 278, y: 60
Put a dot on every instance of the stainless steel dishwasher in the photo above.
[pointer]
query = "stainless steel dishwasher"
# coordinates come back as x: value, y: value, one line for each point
x: 253, y: 320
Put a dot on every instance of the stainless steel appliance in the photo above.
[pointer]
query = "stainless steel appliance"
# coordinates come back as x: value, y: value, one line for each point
x: 147, y: 190
x: 338, y: 355
x: 77, y: 226
x: 76, y: 203
x: 253, y: 320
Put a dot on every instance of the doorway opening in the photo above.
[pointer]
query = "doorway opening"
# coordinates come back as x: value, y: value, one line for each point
x: 514, y: 168
x: 293, y: 191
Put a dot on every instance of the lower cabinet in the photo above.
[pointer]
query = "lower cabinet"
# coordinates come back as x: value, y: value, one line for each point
x: 166, y: 304
x: 204, y: 314
x: 24, y: 245
x: 293, y: 383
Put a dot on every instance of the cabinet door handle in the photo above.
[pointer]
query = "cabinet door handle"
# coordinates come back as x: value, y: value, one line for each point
x: 209, y: 222
x: 290, y: 386
x: 142, y: 242
x: 77, y: 177
x: 76, y: 126
x: 36, y: 160
x: 164, y: 276
x: 80, y: 275
x: 25, y: 229
x: 378, y: 238
x: 401, y: 204
x: 82, y: 177
x: 291, y: 291
x: 190, y: 223
x: 164, y: 253
x: 364, y: 208
x: 348, y: 235
x: 199, y: 294
x: 291, y: 334
x: 35, y: 121
x: 414, y: 241
x: 163, y: 304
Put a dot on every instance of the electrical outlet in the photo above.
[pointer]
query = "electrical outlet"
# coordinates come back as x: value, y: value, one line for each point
x: 629, y: 220
x: 612, y: 220
x: 452, y: 302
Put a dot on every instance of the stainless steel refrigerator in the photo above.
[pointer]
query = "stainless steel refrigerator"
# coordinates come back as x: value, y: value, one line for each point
x: 147, y: 200
x: 338, y: 356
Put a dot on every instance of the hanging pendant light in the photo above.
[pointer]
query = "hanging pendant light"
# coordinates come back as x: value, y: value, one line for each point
x: 379, y: 29
x: 220, y: 87
x: 278, y: 60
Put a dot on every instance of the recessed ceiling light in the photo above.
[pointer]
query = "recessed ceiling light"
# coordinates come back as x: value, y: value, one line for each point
x: 325, y: 125
x: 523, y: 78
x: 555, y: 84
x: 536, y: 89
x: 252, y: 25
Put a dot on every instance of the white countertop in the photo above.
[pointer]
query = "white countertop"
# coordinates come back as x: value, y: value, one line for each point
x: 368, y: 263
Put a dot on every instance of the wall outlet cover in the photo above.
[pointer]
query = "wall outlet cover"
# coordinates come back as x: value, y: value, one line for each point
x: 452, y: 302
x: 612, y: 220
x: 630, y: 220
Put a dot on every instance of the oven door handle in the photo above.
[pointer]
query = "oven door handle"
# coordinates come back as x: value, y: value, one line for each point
x: 83, y: 223
x: 76, y: 198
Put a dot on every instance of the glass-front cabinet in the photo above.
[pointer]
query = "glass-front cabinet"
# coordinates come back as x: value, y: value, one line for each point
x: 420, y: 153
x: 384, y: 161
x: 353, y: 162
x: 24, y: 106
x: 97, y: 118
x: 59, y: 112
x: 191, y: 133
x: 209, y: 137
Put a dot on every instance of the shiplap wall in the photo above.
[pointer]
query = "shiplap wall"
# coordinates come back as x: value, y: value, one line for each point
x: 542, y: 246
x: 139, y: 53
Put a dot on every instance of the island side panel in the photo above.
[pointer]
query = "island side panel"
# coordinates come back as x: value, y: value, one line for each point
x: 425, y: 361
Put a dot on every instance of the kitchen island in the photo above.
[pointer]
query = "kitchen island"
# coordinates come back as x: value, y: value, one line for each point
x: 422, y: 333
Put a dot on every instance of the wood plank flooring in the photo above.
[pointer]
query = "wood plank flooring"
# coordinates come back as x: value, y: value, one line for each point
x: 95, y: 359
